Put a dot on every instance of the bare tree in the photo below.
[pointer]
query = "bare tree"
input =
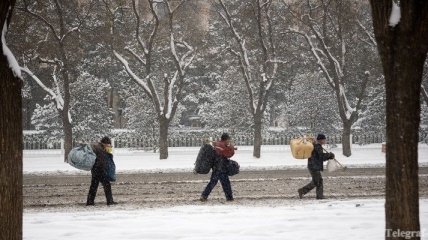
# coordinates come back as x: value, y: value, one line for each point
x: 10, y: 135
x: 324, y: 29
x: 60, y: 33
x: 403, y: 46
x: 165, y: 103
x: 258, y: 84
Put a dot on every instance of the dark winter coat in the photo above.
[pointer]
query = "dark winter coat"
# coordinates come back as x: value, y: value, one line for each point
x: 100, y: 167
x: 221, y: 164
x: 315, y: 162
x: 223, y: 153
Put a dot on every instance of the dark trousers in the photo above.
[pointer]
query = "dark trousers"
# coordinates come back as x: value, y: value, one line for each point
x: 225, y: 183
x: 316, y: 182
x: 94, y: 187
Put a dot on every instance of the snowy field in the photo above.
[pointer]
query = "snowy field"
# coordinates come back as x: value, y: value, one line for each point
x: 329, y: 220
x: 182, y: 159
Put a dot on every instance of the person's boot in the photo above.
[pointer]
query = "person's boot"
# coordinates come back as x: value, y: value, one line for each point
x: 109, y: 194
x: 320, y: 192
x: 203, y: 199
x: 91, y: 200
x: 301, y: 193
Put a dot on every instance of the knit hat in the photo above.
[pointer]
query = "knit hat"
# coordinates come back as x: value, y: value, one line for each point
x: 321, y: 136
x: 106, y: 140
x: 225, y: 136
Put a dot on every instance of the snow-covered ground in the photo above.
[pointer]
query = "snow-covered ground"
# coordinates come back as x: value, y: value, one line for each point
x: 330, y: 220
x: 182, y: 159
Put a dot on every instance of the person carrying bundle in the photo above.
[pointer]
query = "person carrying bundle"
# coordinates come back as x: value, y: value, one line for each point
x: 224, y: 150
x: 316, y: 166
x: 101, y: 171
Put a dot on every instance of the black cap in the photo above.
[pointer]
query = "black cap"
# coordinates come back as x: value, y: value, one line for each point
x: 106, y: 140
x: 321, y: 136
x: 225, y: 136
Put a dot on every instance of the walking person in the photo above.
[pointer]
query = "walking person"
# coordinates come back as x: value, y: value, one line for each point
x: 224, y: 150
x: 316, y: 166
x: 103, y: 151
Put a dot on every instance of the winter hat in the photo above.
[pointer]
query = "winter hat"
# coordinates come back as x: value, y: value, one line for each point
x: 106, y: 140
x: 225, y: 136
x: 321, y: 136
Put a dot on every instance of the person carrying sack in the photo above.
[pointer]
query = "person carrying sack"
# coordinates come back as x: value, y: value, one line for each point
x: 224, y: 150
x: 102, y: 171
x: 316, y: 166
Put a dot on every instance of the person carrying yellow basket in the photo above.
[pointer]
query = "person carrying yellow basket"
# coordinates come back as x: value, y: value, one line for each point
x: 316, y: 166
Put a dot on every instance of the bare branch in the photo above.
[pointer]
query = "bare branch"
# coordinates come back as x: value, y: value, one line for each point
x: 75, y: 29
x: 133, y: 75
x: 42, y: 19
x: 243, y: 56
x: 178, y: 6
x: 141, y: 60
x: 315, y: 51
x: 135, y: 4
x: 55, y: 97
x: 371, y: 38
x: 155, y: 28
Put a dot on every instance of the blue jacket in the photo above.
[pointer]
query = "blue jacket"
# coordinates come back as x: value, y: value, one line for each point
x: 315, y: 162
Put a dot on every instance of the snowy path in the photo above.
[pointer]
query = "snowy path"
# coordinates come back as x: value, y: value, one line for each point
x: 174, y: 189
x: 44, y: 162
x: 330, y: 220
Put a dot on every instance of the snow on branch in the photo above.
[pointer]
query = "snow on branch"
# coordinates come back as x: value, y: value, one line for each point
x: 170, y: 100
x: 57, y: 97
x: 242, y: 55
x: 348, y: 110
x: 183, y: 62
x: 372, y: 40
x: 425, y: 94
x: 141, y: 60
x: 55, y: 61
x: 75, y: 29
x: 13, y: 64
x: 327, y: 52
x: 395, y: 16
x: 46, y: 22
x: 135, y: 4
x: 315, y: 52
x: 132, y: 74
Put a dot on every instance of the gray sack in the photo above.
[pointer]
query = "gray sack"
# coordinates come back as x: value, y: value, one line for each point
x: 82, y: 157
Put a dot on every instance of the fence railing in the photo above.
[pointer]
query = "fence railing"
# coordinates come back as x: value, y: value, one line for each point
x: 242, y: 140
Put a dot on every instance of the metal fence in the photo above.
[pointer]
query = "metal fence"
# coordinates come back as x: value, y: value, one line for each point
x: 239, y: 140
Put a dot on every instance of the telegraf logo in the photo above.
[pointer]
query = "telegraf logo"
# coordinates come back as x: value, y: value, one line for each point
x: 402, y: 234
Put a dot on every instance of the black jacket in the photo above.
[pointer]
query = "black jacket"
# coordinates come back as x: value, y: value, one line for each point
x: 220, y: 164
x: 100, y: 167
x: 315, y: 162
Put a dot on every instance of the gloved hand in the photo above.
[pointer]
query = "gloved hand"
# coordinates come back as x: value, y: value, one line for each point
x: 331, y: 155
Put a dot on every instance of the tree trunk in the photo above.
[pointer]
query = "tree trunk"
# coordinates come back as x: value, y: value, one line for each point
x: 10, y: 145
x: 346, y: 139
x: 402, y: 124
x: 163, y: 137
x: 403, y: 50
x: 68, y: 135
x: 257, y: 135
x: 66, y: 121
